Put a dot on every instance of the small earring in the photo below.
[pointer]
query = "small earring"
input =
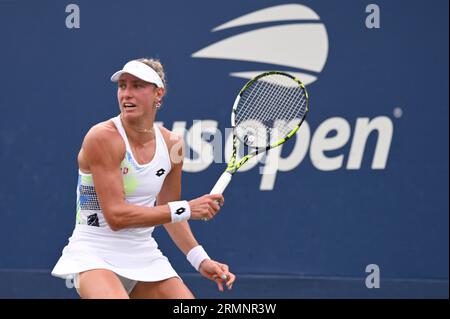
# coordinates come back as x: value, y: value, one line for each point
x: 158, y: 105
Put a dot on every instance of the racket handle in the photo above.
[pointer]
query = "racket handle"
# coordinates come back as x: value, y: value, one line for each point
x: 221, y: 183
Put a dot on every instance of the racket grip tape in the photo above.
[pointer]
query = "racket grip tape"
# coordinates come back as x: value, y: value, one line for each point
x: 221, y: 183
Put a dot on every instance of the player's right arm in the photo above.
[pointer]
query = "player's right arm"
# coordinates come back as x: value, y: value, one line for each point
x: 103, y: 150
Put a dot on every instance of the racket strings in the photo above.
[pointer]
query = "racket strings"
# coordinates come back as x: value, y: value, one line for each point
x: 263, y: 93
x: 277, y: 102
x: 269, y: 106
x: 286, y: 97
x: 249, y: 106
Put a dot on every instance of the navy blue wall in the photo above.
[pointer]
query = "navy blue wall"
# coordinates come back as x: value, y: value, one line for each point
x: 312, y: 221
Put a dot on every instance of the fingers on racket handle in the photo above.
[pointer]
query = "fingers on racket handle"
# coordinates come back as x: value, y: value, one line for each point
x: 222, y: 183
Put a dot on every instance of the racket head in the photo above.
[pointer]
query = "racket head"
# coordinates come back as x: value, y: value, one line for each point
x: 269, y: 109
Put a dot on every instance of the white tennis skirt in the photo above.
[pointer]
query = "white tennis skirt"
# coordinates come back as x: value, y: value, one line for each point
x: 133, y: 255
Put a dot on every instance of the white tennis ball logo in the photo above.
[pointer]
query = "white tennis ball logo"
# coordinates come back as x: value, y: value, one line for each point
x: 300, y: 47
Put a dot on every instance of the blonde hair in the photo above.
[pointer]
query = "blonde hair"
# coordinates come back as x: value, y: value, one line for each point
x: 156, y: 65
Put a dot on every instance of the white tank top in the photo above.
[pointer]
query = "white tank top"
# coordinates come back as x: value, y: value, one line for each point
x: 141, y: 183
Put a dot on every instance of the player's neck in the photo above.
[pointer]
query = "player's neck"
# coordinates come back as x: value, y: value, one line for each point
x: 139, y: 131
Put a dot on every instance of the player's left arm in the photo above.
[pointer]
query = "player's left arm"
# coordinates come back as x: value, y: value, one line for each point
x: 180, y: 232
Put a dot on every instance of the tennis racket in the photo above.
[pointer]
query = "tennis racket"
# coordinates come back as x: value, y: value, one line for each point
x: 267, y: 112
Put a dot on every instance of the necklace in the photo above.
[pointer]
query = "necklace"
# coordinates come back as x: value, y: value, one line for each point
x: 143, y: 130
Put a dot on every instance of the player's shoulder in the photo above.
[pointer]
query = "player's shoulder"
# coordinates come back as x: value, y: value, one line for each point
x: 170, y: 137
x: 175, y: 145
x: 103, y: 133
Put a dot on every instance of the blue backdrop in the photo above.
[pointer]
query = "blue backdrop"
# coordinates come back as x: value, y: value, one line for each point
x: 365, y: 182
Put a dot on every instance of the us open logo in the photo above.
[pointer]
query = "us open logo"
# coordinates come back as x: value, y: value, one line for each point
x: 290, y: 38
x: 295, y: 40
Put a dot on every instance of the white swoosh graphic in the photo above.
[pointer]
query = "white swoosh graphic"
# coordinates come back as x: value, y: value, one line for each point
x: 283, y: 12
x: 303, y: 46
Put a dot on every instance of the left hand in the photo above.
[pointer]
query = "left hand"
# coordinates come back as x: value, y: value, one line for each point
x: 217, y: 272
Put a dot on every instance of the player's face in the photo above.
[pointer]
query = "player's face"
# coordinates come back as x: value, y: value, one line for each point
x: 135, y: 96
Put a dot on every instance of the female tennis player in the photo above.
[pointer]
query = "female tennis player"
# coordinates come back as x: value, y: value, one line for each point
x: 129, y: 182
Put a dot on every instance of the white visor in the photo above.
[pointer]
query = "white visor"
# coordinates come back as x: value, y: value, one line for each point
x: 139, y: 70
